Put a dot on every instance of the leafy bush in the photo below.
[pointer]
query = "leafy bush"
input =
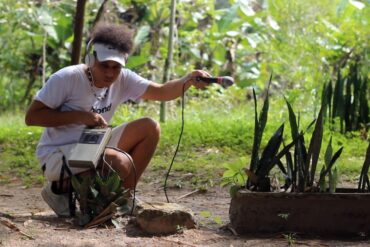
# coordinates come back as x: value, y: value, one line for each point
x: 234, y: 175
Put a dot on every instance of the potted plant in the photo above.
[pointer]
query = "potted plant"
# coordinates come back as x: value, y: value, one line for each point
x: 304, y: 203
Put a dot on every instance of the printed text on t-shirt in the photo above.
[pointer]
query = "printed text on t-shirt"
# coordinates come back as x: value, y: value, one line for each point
x: 101, y: 110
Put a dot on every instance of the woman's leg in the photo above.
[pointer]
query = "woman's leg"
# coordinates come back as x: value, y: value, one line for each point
x: 139, y: 139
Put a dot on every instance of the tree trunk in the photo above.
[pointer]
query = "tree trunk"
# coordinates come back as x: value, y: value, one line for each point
x: 77, y: 31
x: 168, y: 64
x: 100, y: 13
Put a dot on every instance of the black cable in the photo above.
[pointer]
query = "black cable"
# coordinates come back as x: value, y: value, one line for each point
x: 178, y: 143
x: 133, y: 167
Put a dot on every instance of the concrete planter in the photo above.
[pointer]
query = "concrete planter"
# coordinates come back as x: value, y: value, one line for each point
x: 342, y: 213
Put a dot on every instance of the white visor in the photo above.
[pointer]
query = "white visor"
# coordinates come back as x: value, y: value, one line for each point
x: 106, y: 53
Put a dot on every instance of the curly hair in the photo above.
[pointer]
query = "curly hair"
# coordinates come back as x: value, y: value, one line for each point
x: 118, y: 36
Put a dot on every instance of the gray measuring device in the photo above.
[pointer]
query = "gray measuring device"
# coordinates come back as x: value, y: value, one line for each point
x: 90, y: 147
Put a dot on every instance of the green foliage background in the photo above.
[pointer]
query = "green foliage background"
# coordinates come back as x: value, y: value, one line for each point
x: 304, y: 43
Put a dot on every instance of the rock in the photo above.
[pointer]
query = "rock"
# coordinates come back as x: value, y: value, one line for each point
x: 164, y: 218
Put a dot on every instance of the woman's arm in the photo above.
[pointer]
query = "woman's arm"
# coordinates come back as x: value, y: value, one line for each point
x: 173, y: 89
x: 39, y: 114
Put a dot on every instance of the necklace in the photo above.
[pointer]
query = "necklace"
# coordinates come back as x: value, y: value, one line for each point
x: 91, y: 80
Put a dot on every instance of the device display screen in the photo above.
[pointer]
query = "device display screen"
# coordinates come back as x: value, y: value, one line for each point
x: 91, y: 138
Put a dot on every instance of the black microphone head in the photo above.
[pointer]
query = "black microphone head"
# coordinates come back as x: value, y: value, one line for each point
x: 227, y: 81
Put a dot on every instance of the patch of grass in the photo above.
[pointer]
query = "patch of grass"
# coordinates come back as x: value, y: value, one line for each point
x: 204, y: 165
x: 17, y: 148
x: 218, y: 131
x: 352, y: 158
x: 18, y: 155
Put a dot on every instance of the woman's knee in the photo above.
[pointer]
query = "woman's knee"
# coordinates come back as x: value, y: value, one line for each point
x: 151, y: 126
x: 118, y: 161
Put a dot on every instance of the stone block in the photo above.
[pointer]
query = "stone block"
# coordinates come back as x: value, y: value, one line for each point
x: 164, y: 218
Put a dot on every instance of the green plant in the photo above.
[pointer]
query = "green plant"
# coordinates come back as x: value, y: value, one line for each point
x: 290, y: 238
x: 100, y: 198
x: 260, y: 167
x: 210, y: 216
x: 270, y: 157
x: 327, y: 169
x: 348, y: 101
x: 303, y: 166
x: 234, y: 175
x: 364, y: 177
x: 259, y: 126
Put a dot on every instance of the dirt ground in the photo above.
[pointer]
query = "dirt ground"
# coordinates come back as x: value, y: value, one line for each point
x: 25, y: 208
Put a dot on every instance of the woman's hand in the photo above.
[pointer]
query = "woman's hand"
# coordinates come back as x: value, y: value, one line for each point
x: 93, y: 119
x: 191, y: 79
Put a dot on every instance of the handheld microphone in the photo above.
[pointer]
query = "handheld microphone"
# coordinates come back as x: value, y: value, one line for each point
x: 224, y: 81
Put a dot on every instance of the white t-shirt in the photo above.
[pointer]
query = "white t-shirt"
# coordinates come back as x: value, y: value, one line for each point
x: 69, y: 90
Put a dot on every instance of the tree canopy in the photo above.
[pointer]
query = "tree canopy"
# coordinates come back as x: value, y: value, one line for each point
x: 304, y: 43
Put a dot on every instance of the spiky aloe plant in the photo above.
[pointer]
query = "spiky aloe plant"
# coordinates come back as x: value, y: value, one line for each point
x: 327, y: 169
x: 304, y: 164
x: 260, y: 167
x: 100, y: 198
x: 364, y: 184
x: 349, y: 100
x: 259, y: 127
